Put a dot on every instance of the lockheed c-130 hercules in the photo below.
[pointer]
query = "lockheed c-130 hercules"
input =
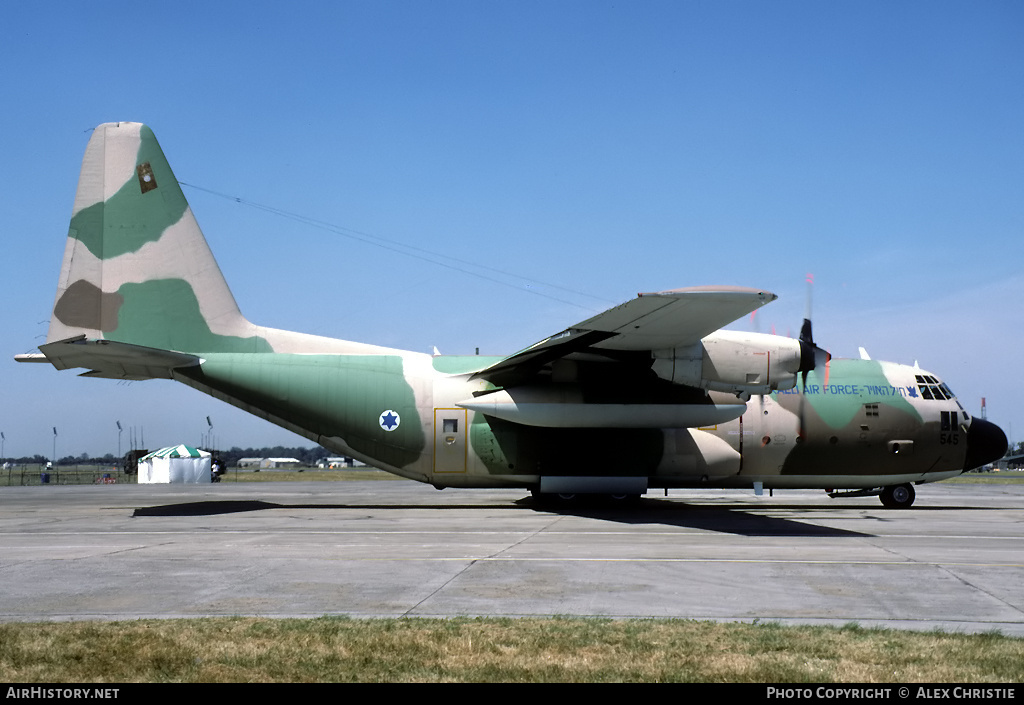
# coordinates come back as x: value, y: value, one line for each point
x: 649, y: 394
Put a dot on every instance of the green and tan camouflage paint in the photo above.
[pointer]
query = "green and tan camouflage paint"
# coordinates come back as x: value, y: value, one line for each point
x: 138, y: 271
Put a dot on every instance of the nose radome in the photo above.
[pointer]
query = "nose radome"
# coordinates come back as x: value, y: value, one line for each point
x: 986, y: 443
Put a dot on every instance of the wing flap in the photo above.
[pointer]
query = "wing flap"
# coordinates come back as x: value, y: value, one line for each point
x: 528, y: 361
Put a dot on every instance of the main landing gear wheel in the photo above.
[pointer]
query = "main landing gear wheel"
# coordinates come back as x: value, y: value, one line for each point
x: 898, y: 496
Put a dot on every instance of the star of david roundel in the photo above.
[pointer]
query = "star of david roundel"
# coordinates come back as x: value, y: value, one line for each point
x: 389, y: 420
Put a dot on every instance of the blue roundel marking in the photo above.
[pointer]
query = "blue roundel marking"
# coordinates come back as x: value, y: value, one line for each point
x: 389, y: 420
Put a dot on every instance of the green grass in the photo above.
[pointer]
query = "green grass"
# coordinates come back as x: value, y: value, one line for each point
x: 330, y: 649
x: 93, y: 474
x: 61, y: 475
x: 994, y: 478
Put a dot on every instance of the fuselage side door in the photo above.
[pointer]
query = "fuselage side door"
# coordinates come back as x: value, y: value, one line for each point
x: 450, y: 448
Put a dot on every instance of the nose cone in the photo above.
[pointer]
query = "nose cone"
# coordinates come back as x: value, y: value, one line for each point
x: 986, y: 443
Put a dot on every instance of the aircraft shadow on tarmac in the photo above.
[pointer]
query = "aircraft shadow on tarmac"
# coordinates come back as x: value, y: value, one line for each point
x: 729, y: 519
x: 739, y: 519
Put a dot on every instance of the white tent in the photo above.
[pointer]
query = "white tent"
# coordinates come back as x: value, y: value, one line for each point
x: 177, y: 464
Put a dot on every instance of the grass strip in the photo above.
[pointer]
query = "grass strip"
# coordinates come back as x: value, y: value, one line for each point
x: 340, y: 649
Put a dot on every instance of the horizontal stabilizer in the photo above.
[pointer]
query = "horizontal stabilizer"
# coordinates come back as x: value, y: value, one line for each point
x: 111, y: 359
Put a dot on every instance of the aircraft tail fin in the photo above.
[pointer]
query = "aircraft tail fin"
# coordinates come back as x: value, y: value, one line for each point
x: 137, y: 268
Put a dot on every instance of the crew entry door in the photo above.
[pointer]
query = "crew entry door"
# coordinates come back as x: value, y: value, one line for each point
x: 450, y: 448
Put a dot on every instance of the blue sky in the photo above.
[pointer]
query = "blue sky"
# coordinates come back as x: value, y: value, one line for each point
x: 555, y: 157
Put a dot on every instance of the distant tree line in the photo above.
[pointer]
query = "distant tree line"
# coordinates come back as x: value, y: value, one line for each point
x: 306, y: 456
x: 83, y: 459
x: 28, y: 460
x: 230, y: 458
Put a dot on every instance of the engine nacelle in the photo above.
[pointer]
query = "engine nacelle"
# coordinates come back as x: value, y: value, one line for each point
x: 735, y: 362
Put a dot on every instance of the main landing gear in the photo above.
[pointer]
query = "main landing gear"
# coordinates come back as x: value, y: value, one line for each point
x: 897, y: 496
x: 893, y: 496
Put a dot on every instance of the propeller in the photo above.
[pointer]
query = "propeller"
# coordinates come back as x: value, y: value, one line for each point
x: 811, y: 356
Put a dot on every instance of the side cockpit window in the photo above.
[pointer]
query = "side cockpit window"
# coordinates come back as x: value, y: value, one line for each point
x: 948, y: 420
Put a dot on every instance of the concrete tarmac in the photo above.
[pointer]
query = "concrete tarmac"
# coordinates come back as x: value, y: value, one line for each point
x: 954, y: 561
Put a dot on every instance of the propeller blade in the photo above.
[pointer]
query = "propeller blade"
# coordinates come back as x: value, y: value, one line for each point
x: 811, y: 356
x: 806, y: 335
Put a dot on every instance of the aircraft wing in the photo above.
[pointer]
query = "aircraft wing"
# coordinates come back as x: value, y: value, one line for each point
x: 654, y: 321
x: 111, y: 359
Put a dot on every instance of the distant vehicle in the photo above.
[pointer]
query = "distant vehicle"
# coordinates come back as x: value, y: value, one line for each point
x: 130, y: 461
x: 649, y: 394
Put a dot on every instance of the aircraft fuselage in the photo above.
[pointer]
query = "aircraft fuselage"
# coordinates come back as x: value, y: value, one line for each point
x: 857, y: 424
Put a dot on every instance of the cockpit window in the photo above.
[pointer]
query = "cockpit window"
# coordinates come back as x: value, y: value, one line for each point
x: 933, y: 389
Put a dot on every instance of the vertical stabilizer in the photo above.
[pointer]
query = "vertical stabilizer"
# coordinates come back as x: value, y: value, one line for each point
x: 137, y: 268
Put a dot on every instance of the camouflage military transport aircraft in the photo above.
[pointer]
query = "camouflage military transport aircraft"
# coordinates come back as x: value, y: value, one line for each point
x: 649, y: 394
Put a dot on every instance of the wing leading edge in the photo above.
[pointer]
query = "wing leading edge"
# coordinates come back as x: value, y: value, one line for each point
x: 655, y: 321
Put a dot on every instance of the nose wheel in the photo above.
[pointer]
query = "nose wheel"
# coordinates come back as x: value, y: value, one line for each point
x: 898, y: 496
